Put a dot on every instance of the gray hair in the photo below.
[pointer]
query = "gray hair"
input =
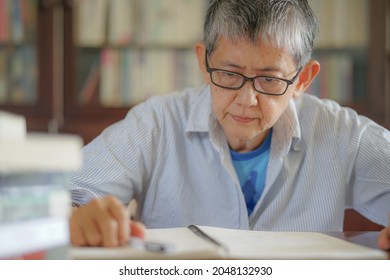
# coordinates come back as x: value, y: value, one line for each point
x: 286, y: 24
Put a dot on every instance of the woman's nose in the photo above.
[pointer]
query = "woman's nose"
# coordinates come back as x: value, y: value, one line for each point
x: 247, y: 95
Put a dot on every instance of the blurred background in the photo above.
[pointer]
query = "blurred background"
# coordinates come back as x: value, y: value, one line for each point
x: 78, y: 65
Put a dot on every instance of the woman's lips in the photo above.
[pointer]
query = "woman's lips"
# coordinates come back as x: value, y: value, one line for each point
x: 242, y: 119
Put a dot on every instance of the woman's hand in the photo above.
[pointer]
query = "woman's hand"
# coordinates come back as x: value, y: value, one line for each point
x: 103, y: 222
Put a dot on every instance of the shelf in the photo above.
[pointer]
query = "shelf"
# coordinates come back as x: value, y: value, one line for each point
x: 64, y: 66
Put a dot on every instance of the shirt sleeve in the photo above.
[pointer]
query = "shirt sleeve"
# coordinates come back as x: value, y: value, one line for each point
x: 370, y: 180
x: 119, y: 160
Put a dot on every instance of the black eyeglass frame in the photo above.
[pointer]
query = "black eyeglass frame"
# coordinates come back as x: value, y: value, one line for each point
x: 210, y: 70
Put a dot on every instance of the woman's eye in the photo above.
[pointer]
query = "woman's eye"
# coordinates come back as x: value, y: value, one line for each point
x: 228, y: 74
x: 269, y: 80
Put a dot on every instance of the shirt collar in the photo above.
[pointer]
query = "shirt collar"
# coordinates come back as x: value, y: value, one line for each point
x: 200, y: 116
x: 286, y: 131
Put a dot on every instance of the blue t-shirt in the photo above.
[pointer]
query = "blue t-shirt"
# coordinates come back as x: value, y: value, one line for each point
x: 251, y: 170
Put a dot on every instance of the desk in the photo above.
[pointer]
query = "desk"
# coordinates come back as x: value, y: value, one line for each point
x: 365, y: 238
x: 245, y: 244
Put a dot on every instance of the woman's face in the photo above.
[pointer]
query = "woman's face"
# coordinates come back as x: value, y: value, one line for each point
x: 245, y: 114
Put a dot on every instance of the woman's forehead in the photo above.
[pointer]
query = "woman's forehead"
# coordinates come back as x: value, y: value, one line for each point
x: 236, y: 51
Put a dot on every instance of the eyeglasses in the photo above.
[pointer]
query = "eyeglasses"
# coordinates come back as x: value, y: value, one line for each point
x: 263, y: 84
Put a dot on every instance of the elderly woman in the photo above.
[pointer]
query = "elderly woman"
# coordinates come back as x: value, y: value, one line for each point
x: 249, y: 150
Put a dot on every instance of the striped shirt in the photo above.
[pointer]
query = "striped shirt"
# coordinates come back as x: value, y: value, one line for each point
x: 171, y: 155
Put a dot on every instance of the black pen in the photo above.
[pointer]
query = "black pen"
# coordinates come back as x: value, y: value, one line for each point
x: 202, y: 234
x: 151, y: 246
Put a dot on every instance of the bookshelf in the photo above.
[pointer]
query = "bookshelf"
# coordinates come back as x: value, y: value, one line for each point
x: 68, y: 42
x: 18, y: 23
x: 29, y: 72
x: 379, y: 67
x: 127, y: 51
x: 341, y: 47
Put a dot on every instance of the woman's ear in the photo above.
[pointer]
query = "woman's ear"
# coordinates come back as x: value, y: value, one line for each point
x: 200, y: 51
x: 306, y: 77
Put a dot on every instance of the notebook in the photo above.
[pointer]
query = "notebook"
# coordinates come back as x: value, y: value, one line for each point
x: 203, y: 242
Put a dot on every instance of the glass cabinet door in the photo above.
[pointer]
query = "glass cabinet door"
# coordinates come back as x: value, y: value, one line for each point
x: 129, y: 50
x: 120, y: 52
x: 341, y: 47
x: 30, y: 60
x: 18, y: 52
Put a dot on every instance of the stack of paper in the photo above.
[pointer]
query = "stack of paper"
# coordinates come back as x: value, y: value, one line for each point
x: 35, y: 203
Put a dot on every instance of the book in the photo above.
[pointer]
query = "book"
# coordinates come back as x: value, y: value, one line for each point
x: 41, y: 152
x: 22, y: 200
x: 90, y: 22
x: 120, y: 22
x: 3, y: 74
x: 29, y: 83
x: 223, y: 243
x: 336, y: 78
x: 90, y: 85
x: 12, y: 127
x: 109, y: 94
x: 169, y: 22
x: 4, y: 21
x: 23, y: 152
x: 338, y: 27
x: 23, y: 73
x: 17, y: 24
x: 29, y: 11
x: 35, y: 203
x: 52, y: 253
x: 33, y: 236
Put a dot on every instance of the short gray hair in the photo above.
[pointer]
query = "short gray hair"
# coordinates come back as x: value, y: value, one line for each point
x: 287, y: 24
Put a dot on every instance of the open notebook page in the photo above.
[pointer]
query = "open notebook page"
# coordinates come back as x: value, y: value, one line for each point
x: 182, y: 244
x: 241, y: 244
x: 245, y: 244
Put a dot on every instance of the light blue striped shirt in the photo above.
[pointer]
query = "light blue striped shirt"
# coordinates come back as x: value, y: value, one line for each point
x: 171, y: 154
